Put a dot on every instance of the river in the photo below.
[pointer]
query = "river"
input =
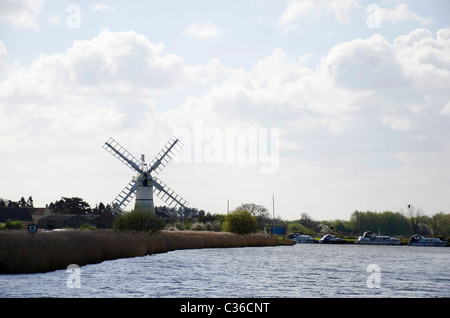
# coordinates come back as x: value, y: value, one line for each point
x: 303, y: 270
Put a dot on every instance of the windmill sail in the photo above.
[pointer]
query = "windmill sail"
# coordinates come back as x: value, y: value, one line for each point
x: 165, y: 155
x: 167, y: 194
x: 114, y: 148
x: 125, y: 196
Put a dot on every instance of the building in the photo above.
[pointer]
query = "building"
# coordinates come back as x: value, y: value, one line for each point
x: 44, y: 218
x: 60, y: 221
x: 25, y: 215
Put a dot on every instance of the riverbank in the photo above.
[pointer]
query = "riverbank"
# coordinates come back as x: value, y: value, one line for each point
x: 21, y: 252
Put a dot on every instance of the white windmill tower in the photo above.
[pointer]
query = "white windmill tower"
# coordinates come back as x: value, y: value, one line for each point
x: 144, y: 184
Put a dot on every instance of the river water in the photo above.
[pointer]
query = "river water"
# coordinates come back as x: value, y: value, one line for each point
x: 303, y: 270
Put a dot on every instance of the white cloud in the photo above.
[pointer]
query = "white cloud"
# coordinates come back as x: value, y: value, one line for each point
x: 333, y: 120
x: 401, y: 13
x: 95, y: 87
x: 365, y: 64
x: 102, y: 7
x: 446, y: 109
x: 21, y: 13
x: 426, y: 59
x: 298, y: 10
x: 112, y: 62
x: 206, y: 30
x: 3, y: 56
x: 398, y: 123
x: 343, y: 11
x: 54, y: 20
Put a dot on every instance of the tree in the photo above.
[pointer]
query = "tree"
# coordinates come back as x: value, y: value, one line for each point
x: 30, y: 202
x: 73, y: 205
x: 441, y: 224
x: 138, y: 221
x: 22, y: 203
x: 240, y: 222
x: 12, y: 204
x: 415, y: 215
x: 98, y: 209
x: 259, y: 211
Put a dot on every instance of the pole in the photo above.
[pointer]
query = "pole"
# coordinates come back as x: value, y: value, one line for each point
x: 273, y: 213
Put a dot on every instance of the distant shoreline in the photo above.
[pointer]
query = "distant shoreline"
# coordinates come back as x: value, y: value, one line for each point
x: 21, y: 252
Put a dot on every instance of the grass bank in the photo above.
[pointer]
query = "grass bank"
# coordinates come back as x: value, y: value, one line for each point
x: 21, y: 252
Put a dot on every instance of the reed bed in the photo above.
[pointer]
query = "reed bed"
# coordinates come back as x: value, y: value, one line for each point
x: 21, y: 252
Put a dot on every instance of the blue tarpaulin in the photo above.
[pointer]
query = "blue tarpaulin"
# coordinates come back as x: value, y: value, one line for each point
x: 278, y: 230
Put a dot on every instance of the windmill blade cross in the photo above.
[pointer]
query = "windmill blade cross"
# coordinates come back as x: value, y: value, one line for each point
x: 167, y: 195
x: 114, y: 148
x: 165, y: 155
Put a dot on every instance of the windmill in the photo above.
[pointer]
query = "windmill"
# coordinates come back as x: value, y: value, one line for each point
x: 144, y: 184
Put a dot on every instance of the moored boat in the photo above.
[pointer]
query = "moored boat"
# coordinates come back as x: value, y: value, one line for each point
x: 331, y: 239
x: 419, y: 240
x: 301, y: 238
x: 371, y: 239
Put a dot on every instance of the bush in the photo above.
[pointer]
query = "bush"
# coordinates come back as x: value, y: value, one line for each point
x: 138, y: 221
x: 240, y: 222
x: 207, y: 226
x: 11, y: 225
x: 86, y: 226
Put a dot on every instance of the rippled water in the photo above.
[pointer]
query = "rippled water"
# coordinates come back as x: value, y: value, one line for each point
x: 310, y: 270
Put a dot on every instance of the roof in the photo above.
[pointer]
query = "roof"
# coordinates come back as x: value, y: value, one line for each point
x: 39, y: 211
x: 16, y: 214
x: 68, y: 216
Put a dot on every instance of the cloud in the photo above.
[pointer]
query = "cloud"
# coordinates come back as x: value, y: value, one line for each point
x: 401, y: 13
x: 298, y: 10
x: 446, y: 109
x: 343, y: 11
x: 3, y: 57
x: 112, y: 62
x: 97, y: 86
x: 398, y: 123
x: 102, y: 7
x: 343, y: 124
x: 365, y: 64
x: 426, y: 59
x: 206, y: 30
x: 21, y: 13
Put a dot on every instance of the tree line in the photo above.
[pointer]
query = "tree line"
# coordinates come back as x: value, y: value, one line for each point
x: 413, y: 221
x: 22, y: 203
x: 385, y: 223
x: 76, y: 205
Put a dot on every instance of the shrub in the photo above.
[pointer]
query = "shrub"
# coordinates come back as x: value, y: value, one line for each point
x: 138, y: 221
x: 12, y: 225
x: 207, y: 226
x: 240, y: 222
x: 86, y: 226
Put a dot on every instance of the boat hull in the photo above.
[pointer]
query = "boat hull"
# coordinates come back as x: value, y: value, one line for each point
x: 333, y: 242
x: 428, y: 244
x: 378, y: 242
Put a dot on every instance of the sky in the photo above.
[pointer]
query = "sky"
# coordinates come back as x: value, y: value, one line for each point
x: 302, y: 106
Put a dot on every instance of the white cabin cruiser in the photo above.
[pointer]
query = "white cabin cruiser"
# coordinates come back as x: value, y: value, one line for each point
x: 419, y: 240
x: 301, y: 238
x: 371, y: 239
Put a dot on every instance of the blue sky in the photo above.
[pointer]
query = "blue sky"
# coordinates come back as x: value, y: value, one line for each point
x: 356, y: 92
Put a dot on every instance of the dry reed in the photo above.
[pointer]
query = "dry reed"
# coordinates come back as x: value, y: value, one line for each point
x: 21, y: 252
